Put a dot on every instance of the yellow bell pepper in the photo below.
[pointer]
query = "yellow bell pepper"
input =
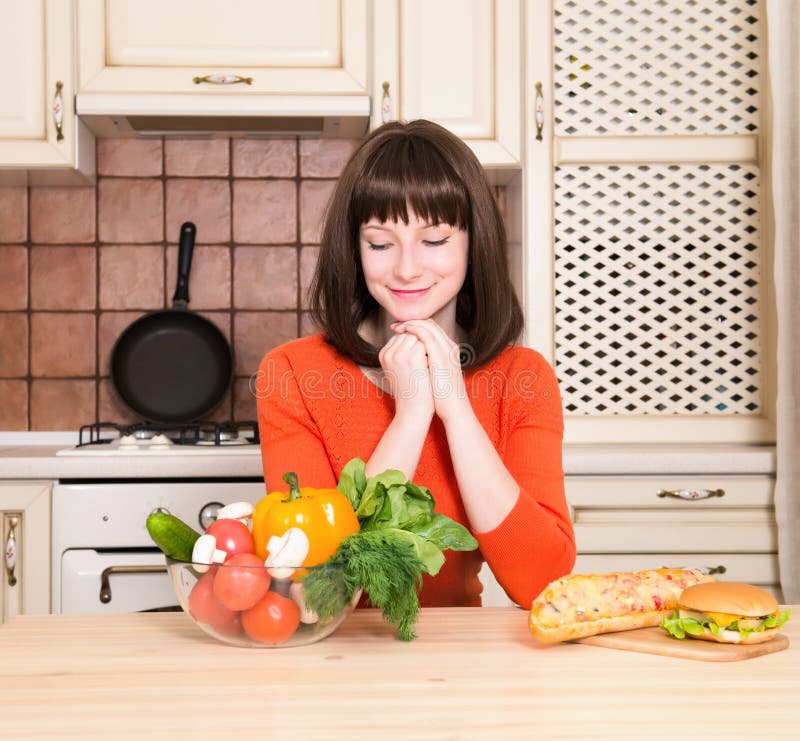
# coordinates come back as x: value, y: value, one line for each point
x: 324, y: 515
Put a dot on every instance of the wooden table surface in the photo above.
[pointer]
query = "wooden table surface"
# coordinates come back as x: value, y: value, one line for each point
x: 472, y: 673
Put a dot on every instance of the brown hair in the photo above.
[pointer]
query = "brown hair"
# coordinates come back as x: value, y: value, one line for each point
x: 423, y: 166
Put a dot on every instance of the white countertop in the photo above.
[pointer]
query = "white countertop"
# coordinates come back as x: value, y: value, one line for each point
x: 33, y: 456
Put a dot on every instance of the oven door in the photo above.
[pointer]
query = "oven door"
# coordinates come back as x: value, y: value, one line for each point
x: 112, y: 581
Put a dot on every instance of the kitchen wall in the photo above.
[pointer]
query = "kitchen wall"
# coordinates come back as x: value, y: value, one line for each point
x: 77, y: 265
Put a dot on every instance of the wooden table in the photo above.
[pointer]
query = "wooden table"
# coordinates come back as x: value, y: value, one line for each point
x: 472, y: 673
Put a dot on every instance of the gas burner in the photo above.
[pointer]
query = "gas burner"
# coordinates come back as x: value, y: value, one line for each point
x: 154, y: 436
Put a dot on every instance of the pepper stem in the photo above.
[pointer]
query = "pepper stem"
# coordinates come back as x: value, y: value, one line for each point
x: 294, y: 485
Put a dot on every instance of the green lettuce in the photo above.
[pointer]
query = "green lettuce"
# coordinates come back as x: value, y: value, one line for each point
x: 678, y: 627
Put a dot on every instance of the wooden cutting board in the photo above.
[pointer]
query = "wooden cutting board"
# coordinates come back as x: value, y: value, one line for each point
x: 657, y: 641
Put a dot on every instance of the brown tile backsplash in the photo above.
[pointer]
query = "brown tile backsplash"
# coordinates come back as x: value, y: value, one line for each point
x: 13, y: 214
x: 79, y: 265
x: 63, y: 278
x: 62, y: 215
x: 13, y: 276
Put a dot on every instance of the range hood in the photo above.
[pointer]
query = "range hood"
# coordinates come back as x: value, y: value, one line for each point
x: 110, y: 116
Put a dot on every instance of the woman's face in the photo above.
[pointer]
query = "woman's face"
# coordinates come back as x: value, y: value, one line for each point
x: 414, y: 270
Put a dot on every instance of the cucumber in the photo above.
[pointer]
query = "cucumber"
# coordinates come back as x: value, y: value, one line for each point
x: 171, y: 535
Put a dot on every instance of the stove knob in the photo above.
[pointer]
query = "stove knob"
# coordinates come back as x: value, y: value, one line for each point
x: 208, y: 514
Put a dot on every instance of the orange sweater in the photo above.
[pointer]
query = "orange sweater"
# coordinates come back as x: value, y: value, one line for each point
x: 317, y: 410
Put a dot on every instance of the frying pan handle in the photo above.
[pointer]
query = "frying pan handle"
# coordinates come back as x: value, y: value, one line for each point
x: 185, y: 248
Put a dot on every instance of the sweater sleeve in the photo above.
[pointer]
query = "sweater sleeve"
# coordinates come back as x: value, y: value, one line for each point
x: 535, y: 543
x: 290, y: 439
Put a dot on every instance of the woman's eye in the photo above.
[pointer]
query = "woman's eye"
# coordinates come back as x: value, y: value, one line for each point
x: 436, y: 243
x: 374, y: 246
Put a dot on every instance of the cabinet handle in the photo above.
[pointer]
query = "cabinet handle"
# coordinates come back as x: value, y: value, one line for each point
x: 538, y: 107
x: 58, y: 111
x: 11, y: 550
x: 105, y: 587
x: 386, y: 104
x: 691, y: 494
x: 222, y: 79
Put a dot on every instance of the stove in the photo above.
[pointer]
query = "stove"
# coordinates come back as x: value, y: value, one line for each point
x: 144, y: 438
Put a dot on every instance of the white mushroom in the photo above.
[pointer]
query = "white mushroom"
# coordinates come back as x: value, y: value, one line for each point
x: 205, y: 552
x: 297, y: 593
x: 241, y: 511
x: 286, y: 553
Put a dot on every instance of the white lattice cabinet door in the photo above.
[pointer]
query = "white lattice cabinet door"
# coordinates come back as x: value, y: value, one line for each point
x: 647, y: 267
x: 456, y: 62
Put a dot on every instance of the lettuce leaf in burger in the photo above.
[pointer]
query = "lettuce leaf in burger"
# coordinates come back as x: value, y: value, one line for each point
x: 726, y: 612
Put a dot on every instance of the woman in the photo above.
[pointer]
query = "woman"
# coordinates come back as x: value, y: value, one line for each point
x: 416, y: 369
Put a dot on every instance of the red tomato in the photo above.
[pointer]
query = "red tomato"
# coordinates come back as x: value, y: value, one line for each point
x: 205, y: 607
x: 274, y: 619
x: 232, y: 536
x: 233, y: 628
x: 241, y: 581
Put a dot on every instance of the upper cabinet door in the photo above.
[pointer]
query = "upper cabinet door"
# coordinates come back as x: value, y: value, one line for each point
x: 37, y: 121
x: 456, y: 62
x: 251, y: 47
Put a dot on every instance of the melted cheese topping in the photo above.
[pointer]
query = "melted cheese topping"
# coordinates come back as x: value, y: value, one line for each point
x: 580, y: 597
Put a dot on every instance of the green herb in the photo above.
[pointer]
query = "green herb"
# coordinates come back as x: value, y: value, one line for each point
x: 401, y: 538
x: 383, y: 564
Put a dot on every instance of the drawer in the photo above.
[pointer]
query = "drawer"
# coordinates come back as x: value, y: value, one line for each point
x: 650, y: 491
x: 632, y: 514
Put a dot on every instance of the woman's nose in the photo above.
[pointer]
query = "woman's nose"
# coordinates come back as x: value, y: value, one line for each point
x: 408, y: 265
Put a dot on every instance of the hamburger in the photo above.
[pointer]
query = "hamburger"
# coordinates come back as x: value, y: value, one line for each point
x: 726, y: 612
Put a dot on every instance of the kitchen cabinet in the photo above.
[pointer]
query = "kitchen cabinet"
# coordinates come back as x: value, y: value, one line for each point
x: 457, y: 63
x: 722, y: 524
x: 151, y: 61
x: 646, y: 229
x: 41, y: 140
x: 25, y: 525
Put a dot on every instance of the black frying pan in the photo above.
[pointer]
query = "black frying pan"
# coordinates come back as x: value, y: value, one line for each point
x: 173, y: 365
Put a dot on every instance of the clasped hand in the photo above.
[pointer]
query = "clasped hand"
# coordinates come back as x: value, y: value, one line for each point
x: 422, y: 367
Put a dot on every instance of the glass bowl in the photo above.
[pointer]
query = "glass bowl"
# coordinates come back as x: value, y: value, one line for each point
x: 246, y: 606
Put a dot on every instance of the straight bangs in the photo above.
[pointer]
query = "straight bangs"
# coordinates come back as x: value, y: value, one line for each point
x: 409, y: 172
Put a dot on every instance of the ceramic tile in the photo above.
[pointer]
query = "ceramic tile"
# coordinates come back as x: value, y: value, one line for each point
x: 264, y: 158
x: 63, y: 278
x: 130, y: 210
x: 206, y: 203
x: 62, y: 345
x: 308, y: 262
x: 132, y: 277
x: 61, y: 404
x: 265, y: 278
x: 13, y: 278
x: 110, y: 407
x: 196, y: 157
x: 209, y: 278
x: 13, y: 215
x: 325, y: 158
x: 110, y: 326
x: 256, y: 332
x: 244, y: 401
x: 13, y: 345
x: 62, y: 215
x: 13, y: 405
x: 314, y: 197
x: 264, y: 212
x: 307, y: 325
x: 131, y: 157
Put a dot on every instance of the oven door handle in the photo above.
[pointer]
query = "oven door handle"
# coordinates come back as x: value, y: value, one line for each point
x: 105, y: 586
